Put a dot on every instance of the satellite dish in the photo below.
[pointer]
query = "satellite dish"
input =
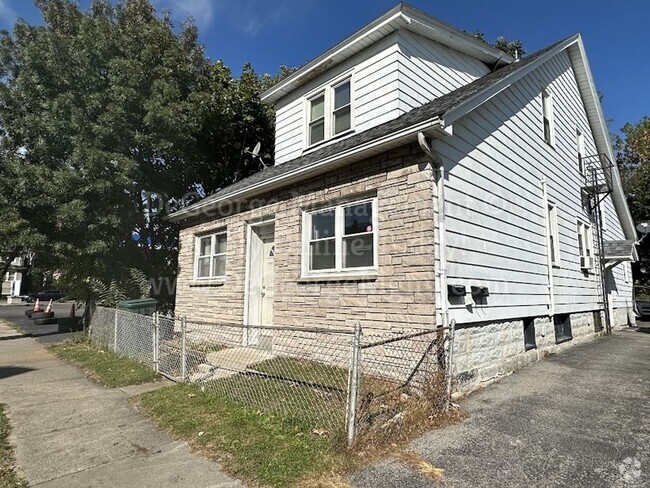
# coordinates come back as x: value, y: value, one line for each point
x: 256, y: 153
x: 643, y: 228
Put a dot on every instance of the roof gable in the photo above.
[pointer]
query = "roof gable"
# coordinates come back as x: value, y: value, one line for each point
x: 402, y: 16
x: 437, y: 115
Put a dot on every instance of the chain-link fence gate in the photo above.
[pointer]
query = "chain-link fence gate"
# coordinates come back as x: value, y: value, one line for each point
x: 339, y: 381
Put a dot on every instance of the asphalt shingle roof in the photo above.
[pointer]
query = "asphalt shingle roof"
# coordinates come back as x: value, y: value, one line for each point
x: 430, y: 110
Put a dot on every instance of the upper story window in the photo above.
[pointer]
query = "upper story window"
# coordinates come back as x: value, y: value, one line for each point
x: 553, y: 234
x: 329, y: 112
x: 342, y: 238
x: 211, y: 256
x: 547, y: 117
x: 580, y: 147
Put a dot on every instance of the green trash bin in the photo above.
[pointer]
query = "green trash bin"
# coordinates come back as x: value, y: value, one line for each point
x: 143, y: 306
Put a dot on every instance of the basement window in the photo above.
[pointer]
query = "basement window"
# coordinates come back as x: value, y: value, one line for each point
x: 529, y: 334
x: 562, y: 324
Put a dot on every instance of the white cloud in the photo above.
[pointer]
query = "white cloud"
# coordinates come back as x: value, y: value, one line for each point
x: 7, y: 14
x: 202, y: 11
x: 253, y: 16
x: 249, y: 17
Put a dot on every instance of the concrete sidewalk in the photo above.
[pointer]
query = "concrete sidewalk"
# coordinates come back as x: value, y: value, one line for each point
x: 580, y: 419
x: 69, y: 432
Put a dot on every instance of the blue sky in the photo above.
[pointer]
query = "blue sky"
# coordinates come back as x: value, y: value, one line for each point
x: 269, y: 33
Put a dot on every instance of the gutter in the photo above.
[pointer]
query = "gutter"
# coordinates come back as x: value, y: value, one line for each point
x: 310, y: 169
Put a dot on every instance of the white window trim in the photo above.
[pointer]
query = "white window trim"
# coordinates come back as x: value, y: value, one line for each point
x: 580, y: 150
x: 626, y: 272
x: 339, y: 223
x: 554, y: 231
x: 586, y: 230
x: 546, y: 94
x: 197, y: 250
x: 328, y: 90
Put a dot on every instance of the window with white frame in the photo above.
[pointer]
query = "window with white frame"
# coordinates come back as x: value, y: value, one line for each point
x: 585, y: 246
x: 553, y: 234
x: 341, y: 238
x: 580, y: 147
x: 329, y: 112
x: 211, y: 256
x: 547, y: 117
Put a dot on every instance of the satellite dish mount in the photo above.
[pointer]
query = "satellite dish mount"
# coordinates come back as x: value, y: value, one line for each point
x: 255, y: 154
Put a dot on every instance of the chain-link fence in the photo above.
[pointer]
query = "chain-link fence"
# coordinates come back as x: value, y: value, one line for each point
x: 335, y: 381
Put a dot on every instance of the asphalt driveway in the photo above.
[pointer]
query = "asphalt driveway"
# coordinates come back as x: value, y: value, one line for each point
x: 578, y: 419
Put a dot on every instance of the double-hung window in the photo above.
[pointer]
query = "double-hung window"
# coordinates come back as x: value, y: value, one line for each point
x: 547, y: 117
x: 211, y: 256
x: 585, y: 246
x: 341, y: 238
x: 329, y: 112
x: 580, y: 143
x: 553, y: 234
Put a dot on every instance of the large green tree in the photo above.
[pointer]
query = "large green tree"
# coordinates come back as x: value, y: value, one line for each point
x: 633, y: 157
x: 106, y: 114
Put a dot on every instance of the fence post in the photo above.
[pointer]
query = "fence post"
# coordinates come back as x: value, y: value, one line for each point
x: 353, y: 390
x: 450, y: 361
x: 156, y: 340
x: 183, y: 350
x: 115, y: 333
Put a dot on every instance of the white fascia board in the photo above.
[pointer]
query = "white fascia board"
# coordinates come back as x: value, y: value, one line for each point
x: 430, y: 126
x: 486, y: 94
x: 450, y: 36
x: 601, y: 137
x: 392, y: 19
x: 401, y: 16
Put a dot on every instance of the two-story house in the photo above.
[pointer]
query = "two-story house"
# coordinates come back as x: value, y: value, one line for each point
x: 422, y: 177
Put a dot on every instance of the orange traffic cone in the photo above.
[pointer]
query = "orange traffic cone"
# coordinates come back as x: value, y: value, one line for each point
x: 49, y: 307
x: 37, y: 308
x: 72, y: 312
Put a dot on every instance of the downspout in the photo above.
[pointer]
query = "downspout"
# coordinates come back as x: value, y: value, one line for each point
x: 442, y: 248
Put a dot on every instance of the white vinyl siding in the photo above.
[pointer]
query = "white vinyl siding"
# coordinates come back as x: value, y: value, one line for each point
x: 496, y: 229
x: 428, y: 70
x: 391, y: 77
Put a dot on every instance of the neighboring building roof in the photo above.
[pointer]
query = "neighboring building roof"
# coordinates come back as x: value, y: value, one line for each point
x: 402, y: 16
x: 620, y: 250
x: 436, y: 116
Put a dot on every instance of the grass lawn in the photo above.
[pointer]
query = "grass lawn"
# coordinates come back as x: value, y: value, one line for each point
x: 8, y: 476
x: 251, y: 445
x: 103, y: 366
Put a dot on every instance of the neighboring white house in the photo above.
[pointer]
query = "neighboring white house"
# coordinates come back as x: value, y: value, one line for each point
x: 406, y: 118
x: 12, y: 281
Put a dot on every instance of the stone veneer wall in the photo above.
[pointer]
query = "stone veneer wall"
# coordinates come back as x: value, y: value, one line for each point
x: 402, y: 295
x: 484, y: 352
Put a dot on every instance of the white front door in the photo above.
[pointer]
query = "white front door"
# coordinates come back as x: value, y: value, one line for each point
x: 260, y: 290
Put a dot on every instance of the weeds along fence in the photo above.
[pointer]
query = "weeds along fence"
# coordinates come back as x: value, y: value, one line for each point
x: 344, y: 383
